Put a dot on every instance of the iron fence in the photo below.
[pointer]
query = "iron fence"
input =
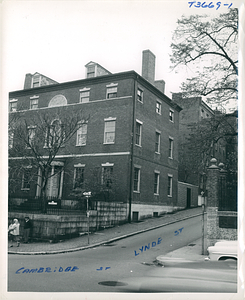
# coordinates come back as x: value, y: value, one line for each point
x: 50, y: 205
x: 227, y: 193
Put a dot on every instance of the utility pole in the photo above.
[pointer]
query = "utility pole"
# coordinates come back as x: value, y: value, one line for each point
x: 87, y: 195
x: 203, y: 209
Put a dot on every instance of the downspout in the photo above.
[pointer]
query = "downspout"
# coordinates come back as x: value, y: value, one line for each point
x: 132, y: 153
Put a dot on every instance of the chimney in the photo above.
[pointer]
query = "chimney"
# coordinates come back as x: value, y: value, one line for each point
x: 28, y: 81
x: 160, y: 84
x: 148, y: 66
x: 177, y: 97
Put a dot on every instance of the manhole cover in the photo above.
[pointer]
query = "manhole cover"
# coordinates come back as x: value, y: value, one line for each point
x: 112, y: 283
x: 191, y: 245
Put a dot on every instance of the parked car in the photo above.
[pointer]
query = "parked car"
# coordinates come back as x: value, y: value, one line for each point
x: 223, y: 250
x: 190, y: 277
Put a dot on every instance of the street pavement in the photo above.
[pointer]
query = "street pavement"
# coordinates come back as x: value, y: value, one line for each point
x: 191, y: 251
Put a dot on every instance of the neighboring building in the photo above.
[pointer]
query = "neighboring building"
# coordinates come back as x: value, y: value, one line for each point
x: 194, y: 110
x: 129, y: 144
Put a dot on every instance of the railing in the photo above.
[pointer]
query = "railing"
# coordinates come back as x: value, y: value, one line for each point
x: 50, y: 205
x: 228, y: 193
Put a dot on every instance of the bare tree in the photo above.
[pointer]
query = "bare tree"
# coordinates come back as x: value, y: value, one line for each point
x: 38, y: 137
x: 203, y: 142
x: 208, y: 46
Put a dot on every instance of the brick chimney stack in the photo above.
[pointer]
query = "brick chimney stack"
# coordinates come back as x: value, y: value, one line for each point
x: 28, y: 81
x: 148, y: 66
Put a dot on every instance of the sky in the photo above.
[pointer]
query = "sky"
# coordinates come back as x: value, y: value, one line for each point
x: 58, y: 38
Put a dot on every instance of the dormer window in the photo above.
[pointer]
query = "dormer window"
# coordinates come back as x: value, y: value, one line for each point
x: 36, y: 81
x: 91, y: 71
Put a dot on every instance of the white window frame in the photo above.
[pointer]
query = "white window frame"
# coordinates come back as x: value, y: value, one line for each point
x: 78, y: 166
x: 47, y: 143
x: 84, y: 95
x: 111, y: 89
x: 83, y: 130
x: 11, y: 140
x: 31, y: 132
x: 158, y: 108
x: 156, y: 175
x: 158, y: 133
x: 170, y: 147
x: 140, y: 133
x: 13, y: 101
x: 140, y: 94
x: 104, y: 167
x: 106, y: 121
x: 138, y: 168
x: 23, y: 179
x: 91, y: 71
x: 171, y: 115
x: 34, y: 102
x: 36, y: 81
x: 170, y: 187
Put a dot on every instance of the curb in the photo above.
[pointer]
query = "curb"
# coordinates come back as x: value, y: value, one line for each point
x: 103, y: 242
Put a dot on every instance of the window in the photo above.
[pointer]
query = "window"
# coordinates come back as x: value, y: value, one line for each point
x: 157, y: 143
x: 31, y: 136
x: 138, y: 133
x: 170, y: 150
x: 171, y: 115
x: 170, y: 183
x: 13, y: 105
x: 84, y: 95
x: 109, y: 133
x: 36, y: 81
x: 136, y: 179
x: 82, y: 135
x: 79, y: 176
x: 140, y: 95
x: 26, y: 179
x: 107, y: 175
x: 11, y: 140
x: 158, y: 107
x: 34, y: 103
x: 156, y: 183
x: 111, y: 90
x: 91, y: 72
x: 55, y: 135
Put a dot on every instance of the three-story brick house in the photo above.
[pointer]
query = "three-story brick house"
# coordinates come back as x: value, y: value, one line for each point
x: 128, y: 145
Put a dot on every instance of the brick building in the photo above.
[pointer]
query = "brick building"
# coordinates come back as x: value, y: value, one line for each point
x: 194, y: 111
x: 129, y: 142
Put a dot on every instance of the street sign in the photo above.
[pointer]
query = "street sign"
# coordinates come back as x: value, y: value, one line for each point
x: 87, y: 194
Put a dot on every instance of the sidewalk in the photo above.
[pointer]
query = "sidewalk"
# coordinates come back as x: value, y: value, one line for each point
x: 191, y: 252
x: 103, y: 236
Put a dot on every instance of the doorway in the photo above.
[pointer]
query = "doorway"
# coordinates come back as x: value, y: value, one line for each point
x: 188, y: 198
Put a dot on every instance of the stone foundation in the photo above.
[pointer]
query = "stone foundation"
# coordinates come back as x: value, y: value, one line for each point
x: 51, y: 227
